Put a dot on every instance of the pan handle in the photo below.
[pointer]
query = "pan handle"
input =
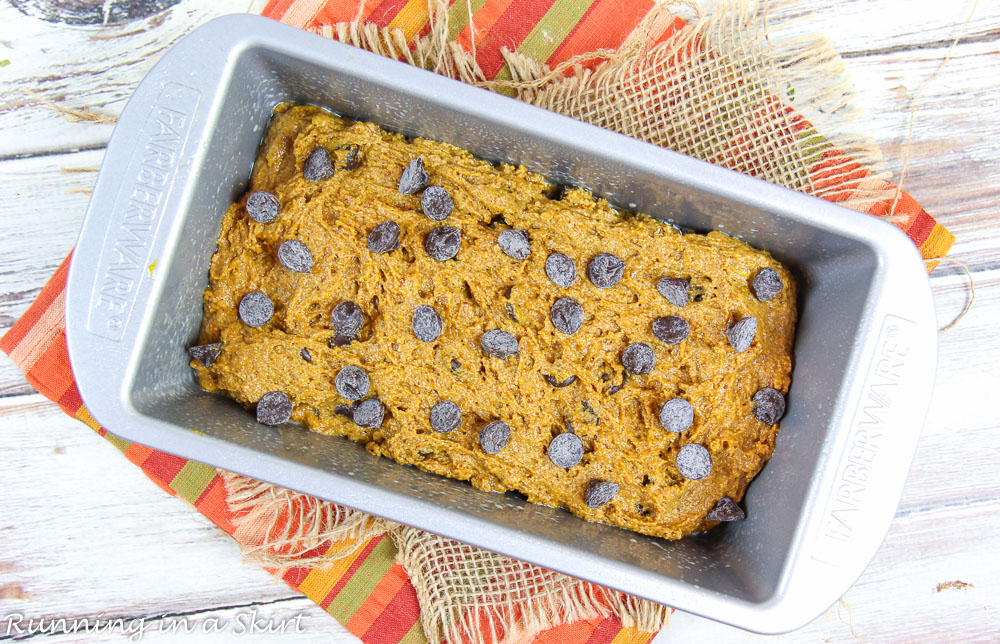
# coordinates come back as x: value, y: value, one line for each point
x: 883, y: 414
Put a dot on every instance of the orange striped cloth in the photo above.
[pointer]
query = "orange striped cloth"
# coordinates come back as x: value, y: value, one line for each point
x: 367, y: 591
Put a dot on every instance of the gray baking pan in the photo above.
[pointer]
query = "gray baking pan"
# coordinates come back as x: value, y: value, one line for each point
x: 865, y: 348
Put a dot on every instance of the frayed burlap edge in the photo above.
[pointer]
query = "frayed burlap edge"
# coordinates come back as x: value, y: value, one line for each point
x: 471, y: 595
x: 277, y: 527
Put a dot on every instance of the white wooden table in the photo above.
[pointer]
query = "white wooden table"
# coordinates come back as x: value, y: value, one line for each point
x: 84, y: 533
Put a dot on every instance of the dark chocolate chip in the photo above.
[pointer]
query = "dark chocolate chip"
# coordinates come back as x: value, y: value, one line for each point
x: 567, y: 315
x: 384, y: 238
x: 676, y: 415
x: 443, y: 242
x: 566, y: 450
x: 766, y: 284
x: 499, y: 344
x: 741, y: 333
x: 694, y: 461
x: 352, y: 382
x: 560, y: 269
x: 671, y: 329
x: 674, y: 289
x: 306, y: 355
x: 426, y: 323
x: 600, y: 492
x: 274, y: 408
x: 256, y: 309
x: 436, y: 203
x: 352, y: 159
x: 445, y: 417
x: 347, y: 319
x: 726, y: 510
x: 206, y: 354
x: 555, y: 383
x: 263, y: 207
x: 369, y: 413
x: 340, y: 340
x: 515, y: 243
x: 295, y: 256
x: 605, y: 270
x: 768, y: 405
x: 455, y: 365
x: 318, y: 166
x: 494, y: 437
x: 347, y: 411
x: 414, y: 177
x: 638, y: 358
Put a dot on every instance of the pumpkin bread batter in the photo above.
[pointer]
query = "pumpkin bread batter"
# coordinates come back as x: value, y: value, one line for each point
x: 480, y: 323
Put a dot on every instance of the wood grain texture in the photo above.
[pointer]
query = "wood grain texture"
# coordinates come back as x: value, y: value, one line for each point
x: 85, y: 534
x: 157, y: 556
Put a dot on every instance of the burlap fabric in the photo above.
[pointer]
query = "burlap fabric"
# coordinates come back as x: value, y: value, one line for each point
x: 714, y: 87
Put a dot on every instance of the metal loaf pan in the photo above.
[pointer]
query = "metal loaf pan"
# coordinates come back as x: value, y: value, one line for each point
x: 864, y: 354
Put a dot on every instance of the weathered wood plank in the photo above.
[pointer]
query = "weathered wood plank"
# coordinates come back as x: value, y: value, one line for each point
x: 46, y: 58
x: 117, y: 545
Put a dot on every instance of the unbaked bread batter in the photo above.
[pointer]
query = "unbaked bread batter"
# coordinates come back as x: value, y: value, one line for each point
x: 503, y: 331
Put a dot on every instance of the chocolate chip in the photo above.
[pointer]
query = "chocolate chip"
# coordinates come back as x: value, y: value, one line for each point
x: 347, y: 319
x: 274, y: 408
x: 671, y: 329
x: 369, y: 413
x: 347, y: 411
x: 384, y: 238
x: 295, y: 256
x: 768, y: 405
x: 318, y: 165
x: 515, y: 243
x: 741, y: 333
x: 560, y: 269
x: 256, y: 309
x: 555, y: 383
x: 566, y: 450
x: 509, y: 308
x: 694, y: 461
x: 455, y: 365
x: 352, y: 159
x: 443, y: 242
x: 340, y: 341
x: 638, y: 358
x: 445, y: 417
x: 613, y: 389
x: 352, y: 382
x: 674, y: 289
x: 306, y: 355
x: 726, y: 510
x: 263, y: 207
x: 436, y: 203
x: 206, y: 354
x: 567, y: 315
x: 499, y: 344
x: 494, y: 437
x: 766, y: 284
x: 426, y: 323
x: 600, y: 492
x: 414, y: 177
x: 676, y: 415
x: 605, y: 270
